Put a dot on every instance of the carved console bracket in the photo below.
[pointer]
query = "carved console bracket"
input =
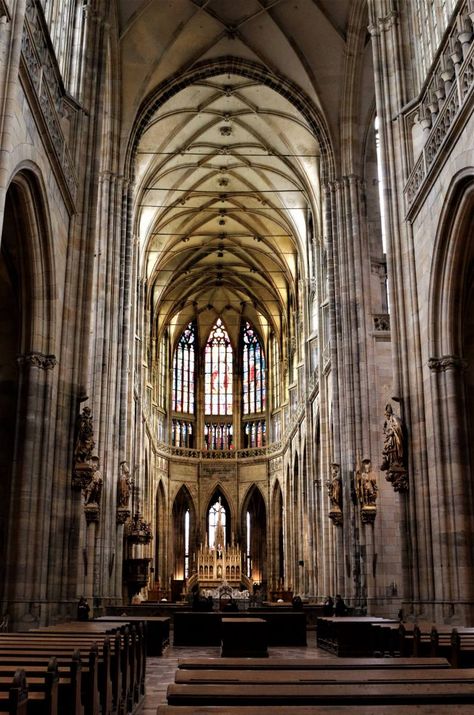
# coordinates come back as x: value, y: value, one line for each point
x: 82, y: 474
x: 122, y: 516
x: 92, y: 512
x: 336, y: 516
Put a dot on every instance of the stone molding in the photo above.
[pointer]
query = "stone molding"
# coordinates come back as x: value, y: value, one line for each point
x: 447, y: 362
x: 37, y: 359
x: 44, y: 79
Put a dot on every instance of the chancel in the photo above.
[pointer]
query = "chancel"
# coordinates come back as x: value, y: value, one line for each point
x: 237, y: 281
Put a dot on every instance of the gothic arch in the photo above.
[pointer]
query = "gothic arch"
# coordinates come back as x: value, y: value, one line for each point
x: 451, y: 366
x: 160, y: 531
x: 182, y: 502
x: 277, y: 560
x: 219, y: 492
x: 256, y: 541
x: 26, y: 341
x: 453, y: 256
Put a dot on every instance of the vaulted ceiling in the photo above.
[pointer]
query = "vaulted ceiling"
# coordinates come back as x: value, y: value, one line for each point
x: 226, y: 162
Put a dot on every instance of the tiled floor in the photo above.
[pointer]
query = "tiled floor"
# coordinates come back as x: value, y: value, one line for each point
x: 161, y: 671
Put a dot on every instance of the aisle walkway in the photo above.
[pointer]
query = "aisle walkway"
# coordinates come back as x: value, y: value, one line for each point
x: 161, y: 671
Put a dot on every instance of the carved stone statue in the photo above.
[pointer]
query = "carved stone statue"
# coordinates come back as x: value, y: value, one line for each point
x: 93, y: 491
x: 335, y: 488
x: 366, y: 484
x: 85, y: 437
x: 335, y: 495
x: 393, y: 460
x: 124, y: 484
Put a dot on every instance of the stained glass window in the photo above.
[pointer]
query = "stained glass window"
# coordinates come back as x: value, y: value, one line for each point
x: 253, y: 378
x: 183, y: 371
x: 218, y: 372
x: 217, y: 522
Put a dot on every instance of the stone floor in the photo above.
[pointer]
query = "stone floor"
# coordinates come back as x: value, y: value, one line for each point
x: 161, y: 671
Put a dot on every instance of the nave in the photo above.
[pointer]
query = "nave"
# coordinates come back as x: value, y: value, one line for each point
x: 161, y: 670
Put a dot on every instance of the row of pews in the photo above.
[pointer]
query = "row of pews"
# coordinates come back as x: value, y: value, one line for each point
x: 352, y: 686
x: 367, y: 636
x: 87, y: 668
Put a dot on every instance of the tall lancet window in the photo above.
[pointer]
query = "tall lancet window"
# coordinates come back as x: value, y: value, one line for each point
x: 217, y: 522
x: 253, y: 372
x: 253, y: 388
x: 218, y: 372
x: 183, y: 371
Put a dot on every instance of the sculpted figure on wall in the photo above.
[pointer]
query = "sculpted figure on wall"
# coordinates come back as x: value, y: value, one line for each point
x: 394, y: 451
x: 124, y: 485
x: 366, y: 489
x: 93, y: 491
x: 84, y: 436
x: 335, y: 495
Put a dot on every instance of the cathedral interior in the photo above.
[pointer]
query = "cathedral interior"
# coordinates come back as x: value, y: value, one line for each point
x: 237, y: 267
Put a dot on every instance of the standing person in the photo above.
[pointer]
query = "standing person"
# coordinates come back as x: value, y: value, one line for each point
x: 340, y: 608
x: 328, y: 606
x: 83, y: 609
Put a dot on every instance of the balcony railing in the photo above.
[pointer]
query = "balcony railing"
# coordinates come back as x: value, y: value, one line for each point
x: 446, y: 93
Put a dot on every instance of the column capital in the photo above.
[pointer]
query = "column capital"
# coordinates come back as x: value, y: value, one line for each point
x: 37, y: 359
x: 447, y: 362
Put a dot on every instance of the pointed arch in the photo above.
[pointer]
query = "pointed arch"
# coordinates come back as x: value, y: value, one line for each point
x: 254, y: 531
x: 184, y: 528
x: 278, y: 561
x: 218, y: 493
x: 27, y: 335
x: 160, y: 531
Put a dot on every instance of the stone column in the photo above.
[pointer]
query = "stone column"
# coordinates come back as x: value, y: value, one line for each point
x: 451, y: 493
x: 33, y: 486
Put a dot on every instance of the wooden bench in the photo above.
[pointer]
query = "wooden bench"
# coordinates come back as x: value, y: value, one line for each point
x: 422, y: 639
x: 344, y: 676
x: 41, y: 684
x: 385, y: 639
x: 348, y: 636
x: 128, y: 667
x: 224, y: 694
x: 157, y: 630
x: 89, y: 694
x: 122, y: 675
x: 310, y: 664
x: 69, y: 681
x: 14, y: 695
x: 432, y: 709
x: 462, y: 647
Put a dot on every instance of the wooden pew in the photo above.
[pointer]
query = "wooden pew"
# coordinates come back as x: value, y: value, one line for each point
x: 14, y: 695
x: 116, y: 666
x: 462, y: 651
x: 157, y: 630
x: 371, y: 693
x: 69, y: 669
x: 348, y: 636
x: 406, y: 635
x: 385, y: 639
x: 418, y: 709
x: 311, y: 664
x: 41, y: 684
x: 24, y: 656
x: 422, y: 639
x: 342, y: 677
x: 135, y: 632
